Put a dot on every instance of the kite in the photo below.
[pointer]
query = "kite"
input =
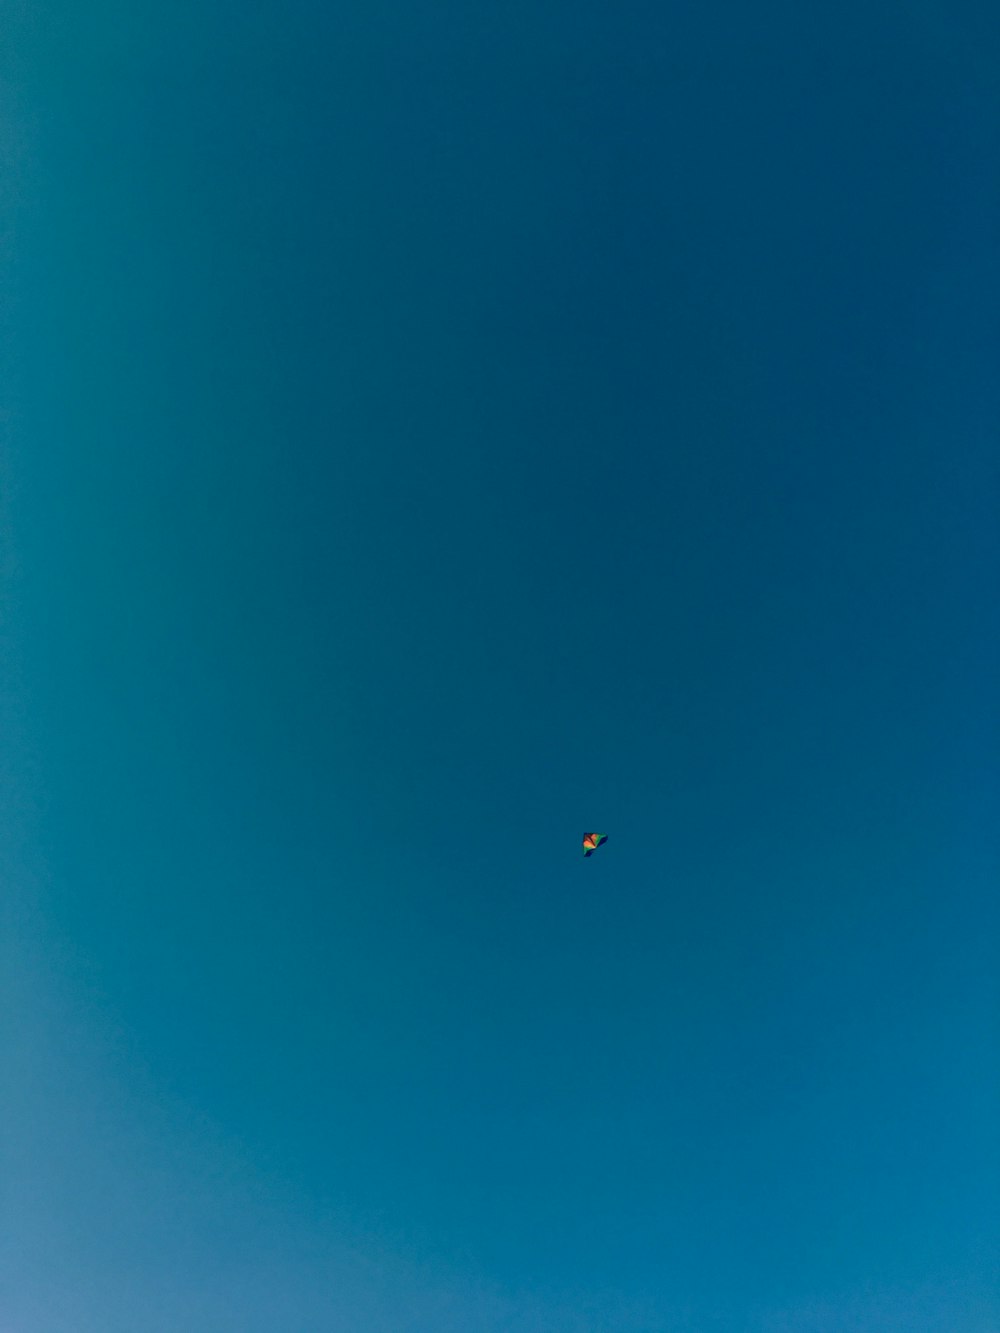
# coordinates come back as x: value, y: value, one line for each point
x: 591, y: 842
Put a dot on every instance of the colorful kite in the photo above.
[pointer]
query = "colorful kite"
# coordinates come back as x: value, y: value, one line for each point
x: 591, y: 842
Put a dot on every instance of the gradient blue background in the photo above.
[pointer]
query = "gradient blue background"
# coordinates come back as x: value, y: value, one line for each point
x: 434, y: 430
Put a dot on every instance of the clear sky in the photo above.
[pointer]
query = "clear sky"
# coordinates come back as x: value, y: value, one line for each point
x: 434, y: 430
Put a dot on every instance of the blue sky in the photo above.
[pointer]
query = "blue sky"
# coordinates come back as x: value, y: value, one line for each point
x: 431, y: 432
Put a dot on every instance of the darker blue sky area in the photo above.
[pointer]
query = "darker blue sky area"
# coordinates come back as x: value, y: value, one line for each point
x: 439, y: 430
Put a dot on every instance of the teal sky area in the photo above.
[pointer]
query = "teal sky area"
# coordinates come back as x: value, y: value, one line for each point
x: 433, y: 431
